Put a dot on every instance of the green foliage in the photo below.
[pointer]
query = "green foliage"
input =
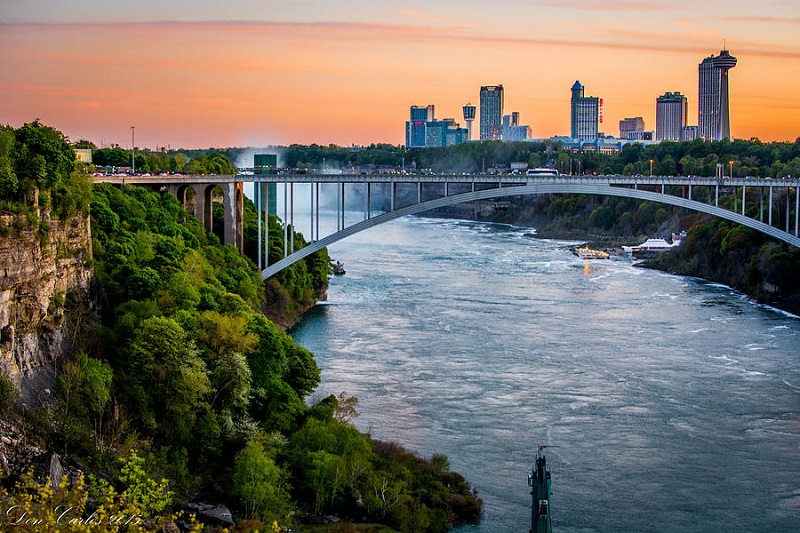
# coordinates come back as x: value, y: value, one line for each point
x: 166, y: 378
x: 260, y: 485
x: 344, y: 470
x: 302, y: 372
x: 603, y: 217
x: 8, y: 394
x: 30, y: 506
x: 9, y: 183
x: 35, y: 157
x: 144, y: 492
x: 83, y: 393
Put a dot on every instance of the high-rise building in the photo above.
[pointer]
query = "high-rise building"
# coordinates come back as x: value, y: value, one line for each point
x: 629, y: 128
x: 586, y: 114
x: 469, y: 116
x: 491, y: 103
x: 445, y: 132
x: 713, y: 113
x: 671, y: 111
x: 415, y: 128
x: 513, y: 130
x: 424, y: 131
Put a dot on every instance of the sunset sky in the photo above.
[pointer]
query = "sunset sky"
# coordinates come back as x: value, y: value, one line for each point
x: 203, y: 73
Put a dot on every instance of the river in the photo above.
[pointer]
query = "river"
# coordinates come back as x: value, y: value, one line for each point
x: 673, y: 404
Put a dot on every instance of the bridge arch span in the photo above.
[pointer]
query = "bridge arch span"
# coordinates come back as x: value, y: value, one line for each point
x: 521, y: 190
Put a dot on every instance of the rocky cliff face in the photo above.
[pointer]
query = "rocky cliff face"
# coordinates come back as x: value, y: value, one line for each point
x: 42, y: 273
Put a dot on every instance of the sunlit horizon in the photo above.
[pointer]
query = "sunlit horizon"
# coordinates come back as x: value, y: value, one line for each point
x: 271, y: 73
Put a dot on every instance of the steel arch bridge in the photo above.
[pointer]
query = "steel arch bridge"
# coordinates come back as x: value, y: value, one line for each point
x: 481, y: 187
x: 567, y: 187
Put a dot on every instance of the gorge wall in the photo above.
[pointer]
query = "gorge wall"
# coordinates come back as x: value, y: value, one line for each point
x: 44, y: 283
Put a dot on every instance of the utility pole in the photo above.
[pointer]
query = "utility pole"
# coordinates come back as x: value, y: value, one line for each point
x: 133, y: 150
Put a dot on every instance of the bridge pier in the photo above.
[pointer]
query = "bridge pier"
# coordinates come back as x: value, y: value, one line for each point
x: 261, y: 199
x: 203, y: 208
x: 770, y: 207
x: 744, y: 188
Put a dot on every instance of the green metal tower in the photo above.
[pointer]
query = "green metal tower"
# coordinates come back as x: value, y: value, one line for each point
x: 539, y: 481
x: 268, y: 164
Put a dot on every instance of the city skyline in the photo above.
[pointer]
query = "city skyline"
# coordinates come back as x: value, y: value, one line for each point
x: 260, y: 73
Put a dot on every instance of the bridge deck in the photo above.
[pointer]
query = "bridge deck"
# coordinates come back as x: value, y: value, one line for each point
x: 505, y: 179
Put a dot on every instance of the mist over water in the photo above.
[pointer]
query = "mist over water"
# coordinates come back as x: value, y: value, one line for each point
x: 674, y: 402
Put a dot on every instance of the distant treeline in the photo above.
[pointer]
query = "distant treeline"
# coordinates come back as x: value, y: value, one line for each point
x: 741, y: 157
x: 699, y: 157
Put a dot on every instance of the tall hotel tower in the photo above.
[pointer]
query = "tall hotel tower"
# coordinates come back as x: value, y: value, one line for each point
x: 585, y: 114
x: 671, y: 110
x: 469, y: 116
x: 417, y: 127
x: 714, y: 118
x: 491, y: 112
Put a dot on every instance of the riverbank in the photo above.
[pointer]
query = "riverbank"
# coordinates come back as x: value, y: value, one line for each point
x: 714, y: 249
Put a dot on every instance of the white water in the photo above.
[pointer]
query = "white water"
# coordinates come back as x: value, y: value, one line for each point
x: 674, y: 403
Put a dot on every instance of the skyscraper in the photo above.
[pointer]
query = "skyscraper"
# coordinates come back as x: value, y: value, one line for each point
x: 585, y: 115
x: 415, y: 128
x: 513, y: 130
x: 671, y: 111
x: 491, y: 104
x: 713, y: 113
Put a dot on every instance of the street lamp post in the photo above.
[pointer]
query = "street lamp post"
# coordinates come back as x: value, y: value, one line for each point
x: 731, y: 164
x: 133, y: 150
x: 651, y: 168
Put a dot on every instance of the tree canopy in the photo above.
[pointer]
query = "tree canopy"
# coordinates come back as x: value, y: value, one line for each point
x: 38, y: 169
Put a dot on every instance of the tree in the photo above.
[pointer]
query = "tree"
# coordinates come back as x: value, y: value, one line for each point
x: 302, y: 371
x: 345, y: 408
x: 260, y: 485
x: 384, y: 495
x: 144, y: 492
x: 166, y: 378
x: 96, y: 385
x: 231, y: 378
x: 223, y: 334
x: 267, y: 359
x: 9, y: 184
x: 48, y: 158
x: 667, y: 166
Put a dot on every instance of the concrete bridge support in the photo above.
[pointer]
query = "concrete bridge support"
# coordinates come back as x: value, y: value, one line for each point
x: 198, y: 199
